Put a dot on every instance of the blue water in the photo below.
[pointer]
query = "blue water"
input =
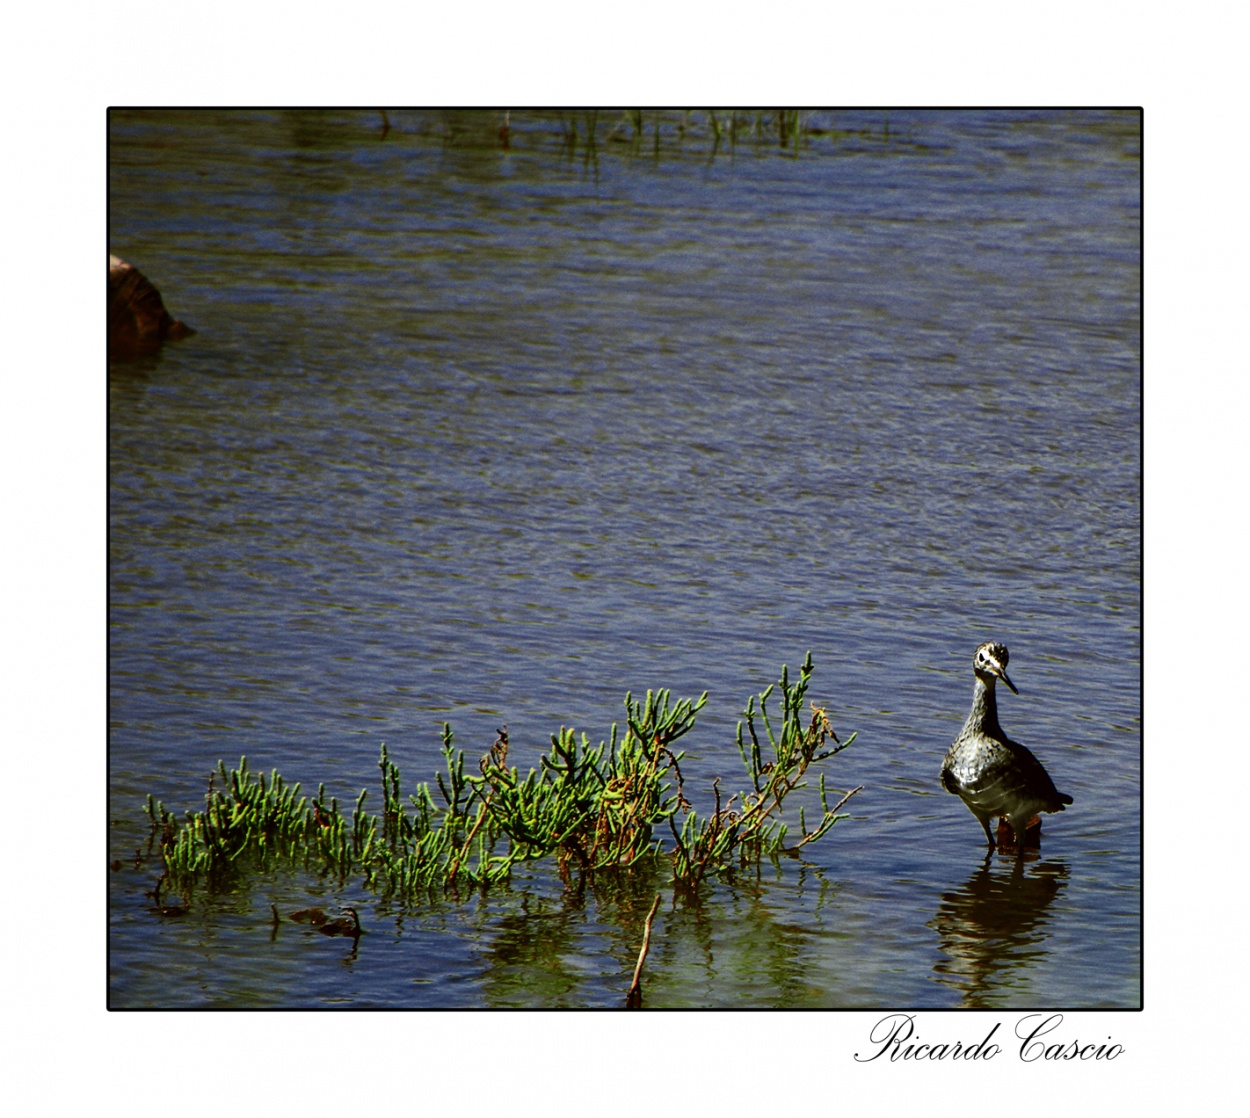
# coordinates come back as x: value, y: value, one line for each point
x: 489, y: 435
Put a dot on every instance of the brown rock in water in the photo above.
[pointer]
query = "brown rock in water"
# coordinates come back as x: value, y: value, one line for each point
x: 342, y: 926
x: 138, y: 322
x: 314, y: 916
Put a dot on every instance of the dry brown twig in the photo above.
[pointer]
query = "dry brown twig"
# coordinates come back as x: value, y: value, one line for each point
x: 633, y: 1000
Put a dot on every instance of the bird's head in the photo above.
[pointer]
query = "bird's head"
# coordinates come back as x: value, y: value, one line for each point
x: 990, y: 663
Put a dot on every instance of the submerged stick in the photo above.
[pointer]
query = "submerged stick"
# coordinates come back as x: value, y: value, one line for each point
x: 633, y: 1000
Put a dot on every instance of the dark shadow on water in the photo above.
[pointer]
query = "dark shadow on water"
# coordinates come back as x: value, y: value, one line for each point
x: 529, y: 956
x: 131, y: 377
x: 727, y: 946
x: 994, y: 926
x: 538, y: 952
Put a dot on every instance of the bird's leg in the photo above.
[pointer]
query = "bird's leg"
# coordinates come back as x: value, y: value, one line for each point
x: 985, y: 824
x: 1019, y: 829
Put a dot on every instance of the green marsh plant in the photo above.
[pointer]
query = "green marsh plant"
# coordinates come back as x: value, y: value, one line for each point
x: 591, y: 808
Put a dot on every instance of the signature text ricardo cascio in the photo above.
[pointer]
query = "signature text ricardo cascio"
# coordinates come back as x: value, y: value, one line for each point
x: 1041, y: 1037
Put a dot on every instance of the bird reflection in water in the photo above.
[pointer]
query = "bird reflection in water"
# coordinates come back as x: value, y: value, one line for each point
x: 992, y: 930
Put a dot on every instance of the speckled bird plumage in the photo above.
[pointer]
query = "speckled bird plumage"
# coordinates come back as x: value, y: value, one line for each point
x: 993, y: 775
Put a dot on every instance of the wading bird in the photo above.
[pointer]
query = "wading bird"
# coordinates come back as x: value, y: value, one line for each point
x: 993, y: 775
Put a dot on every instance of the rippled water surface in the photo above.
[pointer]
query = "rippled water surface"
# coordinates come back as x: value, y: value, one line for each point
x: 493, y: 435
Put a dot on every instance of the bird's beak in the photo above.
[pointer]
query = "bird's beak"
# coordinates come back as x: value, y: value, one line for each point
x: 1002, y: 674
